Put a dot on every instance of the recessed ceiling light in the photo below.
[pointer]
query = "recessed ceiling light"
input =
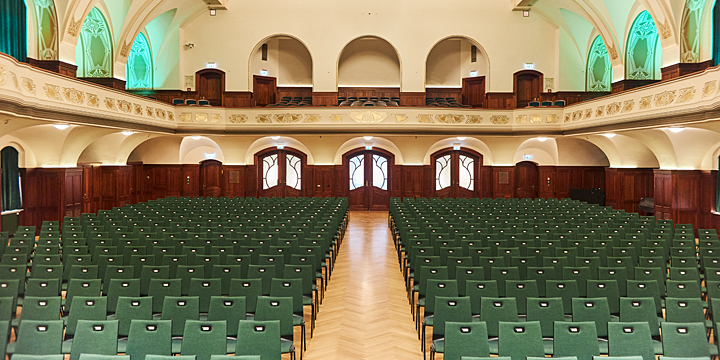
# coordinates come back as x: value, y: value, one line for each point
x: 462, y: 138
x: 368, y: 138
x: 676, y: 129
x: 609, y: 135
x: 127, y: 132
x: 542, y: 138
x: 61, y: 126
x: 195, y: 137
x: 274, y: 137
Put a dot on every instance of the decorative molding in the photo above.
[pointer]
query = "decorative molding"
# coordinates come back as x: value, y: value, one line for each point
x: 628, y: 105
x: 577, y: 115
x: 664, y: 98
x: 686, y: 94
x: 536, y: 119
x: 337, y: 118
x: 124, y: 106
x: 171, y: 116
x: 3, y: 75
x: 312, y: 118
x: 263, y: 119
x: 665, y: 31
x: 216, y: 118
x: 473, y: 119
x: 287, y: 118
x: 613, y: 108
x: 237, y: 119
x: 568, y: 117
x: 138, y: 109
x: 588, y: 114
x: 15, y: 81
x: 110, y: 104
x: 93, y: 100
x: 600, y: 111
x: 368, y: 117
x: 450, y: 119
x: 149, y: 111
x: 521, y: 119
x: 425, y: 119
x: 552, y: 119
x: 708, y: 89
x: 201, y: 117
x: 74, y: 96
x: 646, y: 102
x: 74, y: 28
x: 613, y: 53
x: 499, y: 119
x: 186, y: 117
x: 125, y: 50
x: 28, y: 85
x: 160, y: 113
x: 52, y: 92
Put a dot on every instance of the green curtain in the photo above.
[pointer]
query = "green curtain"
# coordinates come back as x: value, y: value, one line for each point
x: 717, y: 189
x: 10, y: 179
x: 13, y: 29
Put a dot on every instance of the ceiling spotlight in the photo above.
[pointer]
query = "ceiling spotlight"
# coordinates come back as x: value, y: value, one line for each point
x: 526, y: 13
x: 275, y: 137
x: 368, y: 138
x: 609, y: 135
x: 195, y: 137
x: 542, y: 138
x: 461, y: 138
x: 127, y: 132
x: 61, y: 126
x: 213, y: 12
x: 676, y: 129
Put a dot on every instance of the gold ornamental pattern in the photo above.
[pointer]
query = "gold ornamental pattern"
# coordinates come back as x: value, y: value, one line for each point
x: 52, y: 92
x: 74, y: 96
x: 500, y: 119
x: 237, y: 119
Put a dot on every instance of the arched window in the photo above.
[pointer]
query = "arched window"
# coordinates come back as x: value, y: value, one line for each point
x: 47, y: 29
x: 11, y: 197
x: 642, y: 49
x: 690, y: 30
x: 599, y: 71
x: 139, y: 70
x: 93, y: 53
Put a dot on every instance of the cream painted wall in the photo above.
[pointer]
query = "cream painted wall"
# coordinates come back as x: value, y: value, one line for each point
x: 294, y: 64
x: 326, y: 27
x: 444, y: 64
x: 369, y: 62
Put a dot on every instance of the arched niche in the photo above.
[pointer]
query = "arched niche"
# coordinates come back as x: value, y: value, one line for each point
x: 369, y: 61
x: 285, y: 58
x: 457, y: 67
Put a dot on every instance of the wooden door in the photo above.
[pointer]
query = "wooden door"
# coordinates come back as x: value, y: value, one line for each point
x: 369, y: 179
x: 324, y: 180
x: 280, y: 173
x: 456, y: 173
x: 264, y: 89
x: 526, y: 180
x: 527, y: 86
x: 473, y: 91
x: 210, y: 85
x: 210, y: 178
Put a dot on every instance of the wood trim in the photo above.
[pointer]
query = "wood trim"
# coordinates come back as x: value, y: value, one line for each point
x: 325, y: 98
x: 681, y: 69
x: 412, y: 99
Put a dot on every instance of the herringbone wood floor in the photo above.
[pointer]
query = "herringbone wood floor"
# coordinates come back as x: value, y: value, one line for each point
x: 365, y: 314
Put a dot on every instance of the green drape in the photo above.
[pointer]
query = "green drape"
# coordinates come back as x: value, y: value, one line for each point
x: 13, y: 29
x: 10, y: 179
x: 717, y: 189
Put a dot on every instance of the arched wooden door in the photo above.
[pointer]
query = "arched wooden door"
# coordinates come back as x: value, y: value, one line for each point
x: 280, y: 172
x: 210, y: 171
x: 527, y: 87
x: 456, y: 173
x: 526, y: 180
x: 368, y: 174
x: 210, y: 85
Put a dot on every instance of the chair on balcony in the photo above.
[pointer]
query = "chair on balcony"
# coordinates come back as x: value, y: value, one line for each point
x: 191, y: 102
x: 546, y: 103
x: 534, y: 104
x: 203, y: 102
x: 178, y: 102
x: 559, y: 103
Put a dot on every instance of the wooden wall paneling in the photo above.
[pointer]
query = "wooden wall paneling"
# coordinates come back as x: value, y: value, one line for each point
x: 527, y: 86
x: 342, y: 181
x: 412, y: 99
x: 445, y: 93
x: 503, y: 181
x: 371, y: 92
x: 428, y: 181
x: 237, y: 99
x: 662, y: 195
x: 706, y: 205
x: 571, y: 97
x: 686, y: 191
x: 110, y: 192
x: 137, y: 183
x: 627, y: 84
x: 233, y: 180
x: 294, y: 91
x: 681, y: 69
x: 325, y: 98
x: 412, y: 181
x: 190, y: 182
x: 473, y: 92
x: 209, y: 182
x: 498, y: 100
x: 323, y: 180
x: 547, y: 181
x: 73, y: 203
x: 485, y: 182
x: 395, y: 180
x: 124, y: 185
x: 250, y: 180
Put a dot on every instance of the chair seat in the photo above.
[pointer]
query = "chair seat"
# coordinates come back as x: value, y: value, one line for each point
x: 66, y: 346
x: 231, y: 344
x: 493, y: 345
x: 603, y: 345
x: 298, y: 320
x: 307, y: 301
x: 286, y: 346
x: 548, y: 345
x: 439, y: 345
x: 421, y: 302
x: 429, y: 320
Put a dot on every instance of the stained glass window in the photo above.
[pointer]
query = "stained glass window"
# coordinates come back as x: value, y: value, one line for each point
x: 641, y: 44
x: 467, y: 172
x: 357, y: 172
x: 599, y: 71
x: 139, y: 70
x: 380, y: 172
x: 442, y: 172
x: 293, y: 171
x: 47, y: 29
x: 690, y: 28
x: 93, y: 53
x: 270, y: 171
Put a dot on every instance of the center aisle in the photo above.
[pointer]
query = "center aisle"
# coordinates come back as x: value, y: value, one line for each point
x: 365, y: 314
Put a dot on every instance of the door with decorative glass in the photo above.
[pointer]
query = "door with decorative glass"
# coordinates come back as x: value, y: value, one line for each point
x: 369, y: 180
x: 456, y: 173
x: 280, y: 173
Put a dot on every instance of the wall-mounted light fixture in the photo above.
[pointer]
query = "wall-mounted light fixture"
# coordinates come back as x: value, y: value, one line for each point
x: 676, y: 129
x: 456, y: 146
x: 368, y: 146
x: 61, y: 126
x: 609, y: 135
x: 280, y: 145
x: 542, y: 138
x: 195, y: 137
x: 526, y: 13
x: 275, y: 137
x: 127, y: 132
x: 368, y: 138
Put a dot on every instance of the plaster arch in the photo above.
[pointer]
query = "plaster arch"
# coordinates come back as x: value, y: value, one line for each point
x: 580, y: 152
x: 544, y: 153
x: 470, y: 40
x: 266, y: 39
x: 26, y: 158
x: 77, y: 140
x: 112, y: 149
x: 469, y: 142
x: 710, y: 159
x: 359, y: 142
x: 268, y: 142
x: 192, y: 151
x: 344, y: 47
x: 160, y: 150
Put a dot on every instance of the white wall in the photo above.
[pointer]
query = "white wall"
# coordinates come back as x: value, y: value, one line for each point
x: 369, y: 62
x: 294, y: 64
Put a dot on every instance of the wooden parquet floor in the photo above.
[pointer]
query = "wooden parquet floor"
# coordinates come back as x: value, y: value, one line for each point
x: 365, y: 313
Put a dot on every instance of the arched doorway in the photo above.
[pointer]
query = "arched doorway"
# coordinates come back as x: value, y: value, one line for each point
x: 210, y: 171
x: 210, y: 85
x: 526, y: 180
x: 368, y: 178
x: 280, y: 172
x: 527, y: 86
x: 456, y: 173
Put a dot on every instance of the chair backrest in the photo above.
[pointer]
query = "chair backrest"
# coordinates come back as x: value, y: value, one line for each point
x: 204, y: 289
x: 180, y: 309
x: 439, y: 287
x: 259, y: 338
x: 39, y: 337
x: 495, y: 310
x: 463, y: 339
x: 204, y: 338
x: 121, y: 287
x: 640, y: 310
x: 686, y: 340
x: 518, y: 340
x: 132, y: 308
x: 630, y: 339
x: 250, y: 289
x: 276, y: 308
x: 456, y: 309
x: 161, y: 288
x: 95, y: 336
x: 289, y: 288
x: 41, y: 308
x: 546, y: 311
x: 521, y: 290
x: 149, y: 337
x: 86, y: 308
x: 607, y: 289
x: 592, y: 309
x: 230, y: 309
x: 577, y: 338
x: 684, y: 310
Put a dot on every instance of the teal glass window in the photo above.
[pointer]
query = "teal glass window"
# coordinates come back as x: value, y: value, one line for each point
x: 641, y: 45
x: 93, y: 53
x: 139, y: 70
x: 47, y: 28
x: 599, y: 71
